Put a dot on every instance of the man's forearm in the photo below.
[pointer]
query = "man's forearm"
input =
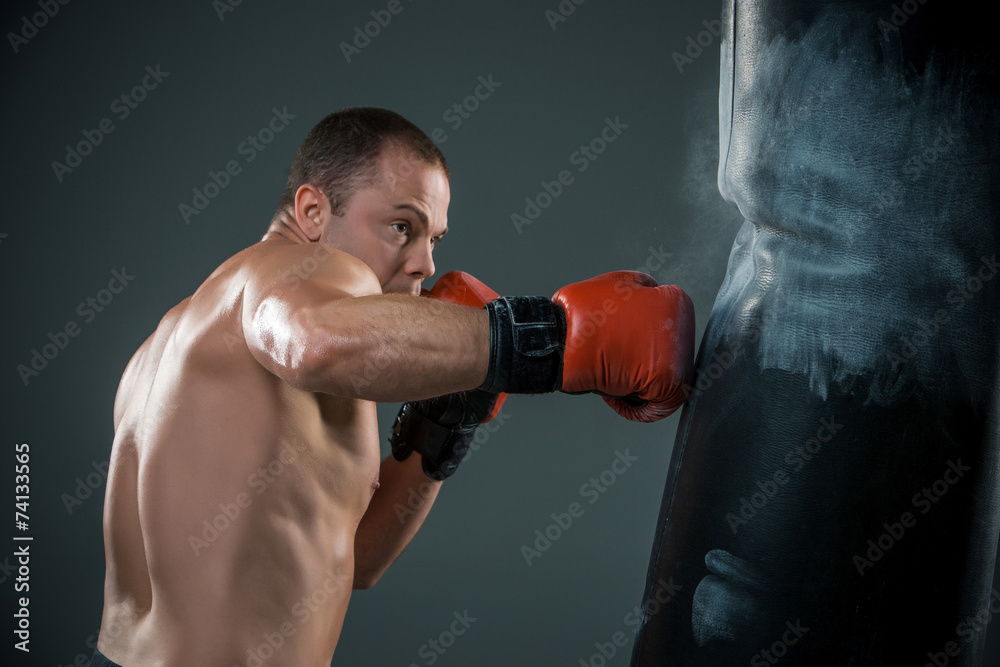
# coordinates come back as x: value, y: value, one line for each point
x: 396, y: 512
x: 396, y: 347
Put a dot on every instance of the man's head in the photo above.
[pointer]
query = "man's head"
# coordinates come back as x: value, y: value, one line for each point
x: 370, y: 183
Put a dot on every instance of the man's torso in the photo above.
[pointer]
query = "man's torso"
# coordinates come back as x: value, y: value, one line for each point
x: 232, y: 498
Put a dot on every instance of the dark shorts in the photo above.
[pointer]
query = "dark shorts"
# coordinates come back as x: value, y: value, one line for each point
x: 100, y: 661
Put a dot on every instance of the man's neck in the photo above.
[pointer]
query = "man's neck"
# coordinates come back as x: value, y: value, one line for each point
x: 286, y: 227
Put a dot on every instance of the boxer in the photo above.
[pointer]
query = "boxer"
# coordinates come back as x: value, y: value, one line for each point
x: 246, y: 497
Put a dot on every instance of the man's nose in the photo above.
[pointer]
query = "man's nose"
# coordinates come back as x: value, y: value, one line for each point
x: 421, y: 262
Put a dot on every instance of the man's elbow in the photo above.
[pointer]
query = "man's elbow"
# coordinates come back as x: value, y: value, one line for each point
x: 366, y: 579
x: 306, y: 351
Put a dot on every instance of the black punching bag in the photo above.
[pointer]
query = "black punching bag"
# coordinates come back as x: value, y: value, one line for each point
x: 833, y: 493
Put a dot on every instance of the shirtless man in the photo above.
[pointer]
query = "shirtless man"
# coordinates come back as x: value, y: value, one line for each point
x: 246, y: 498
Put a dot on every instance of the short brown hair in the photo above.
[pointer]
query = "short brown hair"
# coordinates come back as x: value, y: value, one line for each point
x: 340, y: 154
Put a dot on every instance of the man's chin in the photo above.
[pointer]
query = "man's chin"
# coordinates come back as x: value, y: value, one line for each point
x: 401, y: 290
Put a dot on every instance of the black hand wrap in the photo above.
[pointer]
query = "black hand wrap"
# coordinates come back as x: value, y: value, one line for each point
x: 527, y: 339
x: 440, y: 429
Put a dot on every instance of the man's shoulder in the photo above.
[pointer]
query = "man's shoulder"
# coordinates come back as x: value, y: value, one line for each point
x: 296, y: 265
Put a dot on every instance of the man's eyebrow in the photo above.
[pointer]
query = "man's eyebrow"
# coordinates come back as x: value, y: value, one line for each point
x: 411, y: 207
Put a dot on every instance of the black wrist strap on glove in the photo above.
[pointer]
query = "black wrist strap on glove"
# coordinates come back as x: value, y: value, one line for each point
x: 440, y: 429
x: 527, y: 339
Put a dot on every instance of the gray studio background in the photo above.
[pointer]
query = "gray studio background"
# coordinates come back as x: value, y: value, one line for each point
x: 650, y: 194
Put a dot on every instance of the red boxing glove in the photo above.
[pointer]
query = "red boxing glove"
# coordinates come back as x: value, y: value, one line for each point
x: 629, y: 340
x: 460, y: 288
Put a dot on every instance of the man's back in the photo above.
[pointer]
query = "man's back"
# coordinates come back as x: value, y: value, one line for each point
x: 233, y: 497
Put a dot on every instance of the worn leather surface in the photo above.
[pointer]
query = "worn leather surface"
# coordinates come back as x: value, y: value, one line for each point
x: 833, y: 493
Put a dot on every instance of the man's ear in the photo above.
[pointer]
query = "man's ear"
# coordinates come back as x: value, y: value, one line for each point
x: 312, y: 209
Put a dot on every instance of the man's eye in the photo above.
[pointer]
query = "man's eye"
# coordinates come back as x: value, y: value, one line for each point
x: 401, y: 227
